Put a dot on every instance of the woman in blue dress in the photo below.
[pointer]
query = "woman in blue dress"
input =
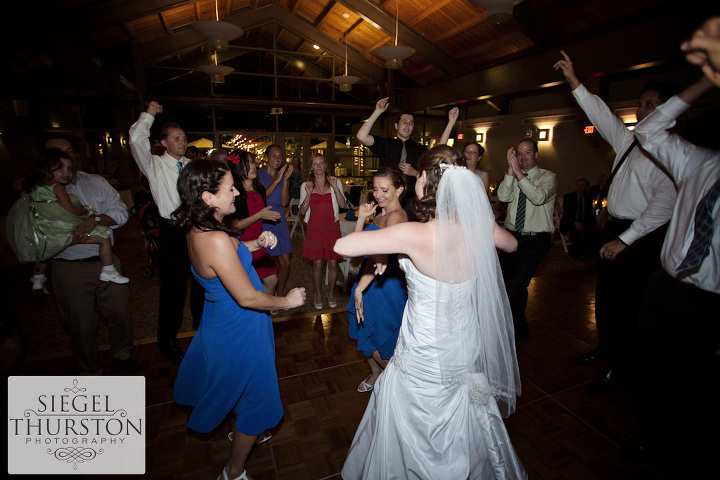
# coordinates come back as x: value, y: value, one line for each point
x: 377, y: 302
x: 275, y: 177
x: 230, y: 365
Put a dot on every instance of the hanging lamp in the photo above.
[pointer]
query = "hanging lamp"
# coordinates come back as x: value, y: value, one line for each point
x: 218, y: 33
x: 496, y: 11
x: 394, y: 54
x: 345, y: 81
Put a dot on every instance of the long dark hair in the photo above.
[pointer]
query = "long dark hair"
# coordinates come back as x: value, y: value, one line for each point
x: 429, y: 162
x: 197, y: 177
x: 46, y: 163
x: 239, y: 163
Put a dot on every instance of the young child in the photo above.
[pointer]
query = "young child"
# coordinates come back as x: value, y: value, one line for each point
x: 56, y: 214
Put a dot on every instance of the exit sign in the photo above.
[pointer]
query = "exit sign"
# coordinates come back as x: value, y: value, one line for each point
x: 589, y: 130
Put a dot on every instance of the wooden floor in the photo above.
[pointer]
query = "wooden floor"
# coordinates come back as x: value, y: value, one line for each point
x: 559, y: 430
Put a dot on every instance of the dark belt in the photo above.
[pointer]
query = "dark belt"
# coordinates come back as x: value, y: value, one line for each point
x: 88, y: 259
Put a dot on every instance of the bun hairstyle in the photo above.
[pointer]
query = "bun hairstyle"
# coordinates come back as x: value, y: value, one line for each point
x: 197, y: 177
x: 397, y: 178
x: 429, y: 162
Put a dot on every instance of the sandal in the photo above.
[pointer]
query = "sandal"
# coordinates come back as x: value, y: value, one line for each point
x: 318, y: 306
x: 365, y: 387
x: 223, y: 476
x: 332, y: 304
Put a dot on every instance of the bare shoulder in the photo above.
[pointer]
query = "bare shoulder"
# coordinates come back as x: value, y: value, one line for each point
x: 395, y: 217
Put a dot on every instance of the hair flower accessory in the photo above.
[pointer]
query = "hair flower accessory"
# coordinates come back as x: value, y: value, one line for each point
x: 234, y: 158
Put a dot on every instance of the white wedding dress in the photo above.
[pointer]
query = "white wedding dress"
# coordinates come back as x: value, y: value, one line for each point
x: 418, y: 426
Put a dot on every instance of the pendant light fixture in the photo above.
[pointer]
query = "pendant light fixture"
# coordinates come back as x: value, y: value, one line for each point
x: 394, y: 54
x: 218, y: 34
x: 345, y: 81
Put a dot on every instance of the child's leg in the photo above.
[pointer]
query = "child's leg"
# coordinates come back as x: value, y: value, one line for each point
x: 108, y: 273
x: 39, y: 279
x: 40, y: 268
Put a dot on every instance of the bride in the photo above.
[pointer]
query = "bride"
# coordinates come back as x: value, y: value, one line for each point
x: 436, y: 411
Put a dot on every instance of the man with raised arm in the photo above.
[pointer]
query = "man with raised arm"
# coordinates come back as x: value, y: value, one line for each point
x: 640, y: 201
x: 162, y: 173
x: 400, y: 151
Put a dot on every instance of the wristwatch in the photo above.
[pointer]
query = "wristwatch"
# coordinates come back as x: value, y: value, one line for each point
x: 98, y: 219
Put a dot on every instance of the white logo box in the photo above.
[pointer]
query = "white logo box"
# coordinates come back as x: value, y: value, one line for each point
x: 76, y: 425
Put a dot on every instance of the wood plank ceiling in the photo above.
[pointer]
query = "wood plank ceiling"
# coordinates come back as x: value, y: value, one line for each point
x: 451, y: 37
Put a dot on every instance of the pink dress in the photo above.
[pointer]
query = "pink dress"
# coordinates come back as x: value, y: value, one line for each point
x: 322, y: 230
x: 261, y: 259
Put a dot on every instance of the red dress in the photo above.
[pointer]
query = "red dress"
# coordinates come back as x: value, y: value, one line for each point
x: 261, y: 259
x: 322, y: 229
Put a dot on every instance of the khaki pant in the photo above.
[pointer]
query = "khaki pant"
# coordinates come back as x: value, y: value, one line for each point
x: 77, y: 285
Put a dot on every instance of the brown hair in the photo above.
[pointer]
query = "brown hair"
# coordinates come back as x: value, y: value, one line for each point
x: 429, y: 162
x: 397, y: 178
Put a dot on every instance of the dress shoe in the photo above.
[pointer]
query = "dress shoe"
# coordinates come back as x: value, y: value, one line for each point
x: 591, y: 357
x: 171, y: 350
x: 606, y: 382
x: 129, y: 365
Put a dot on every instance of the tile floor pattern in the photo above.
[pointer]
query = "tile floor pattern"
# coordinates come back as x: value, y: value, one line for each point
x: 559, y: 430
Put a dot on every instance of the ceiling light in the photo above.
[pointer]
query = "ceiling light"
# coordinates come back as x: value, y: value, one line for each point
x: 496, y: 11
x: 394, y: 54
x: 316, y: 47
x: 218, y: 33
x: 217, y: 72
x: 345, y: 81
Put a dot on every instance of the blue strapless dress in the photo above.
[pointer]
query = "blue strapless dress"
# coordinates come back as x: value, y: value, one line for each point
x: 383, y: 306
x: 230, y: 364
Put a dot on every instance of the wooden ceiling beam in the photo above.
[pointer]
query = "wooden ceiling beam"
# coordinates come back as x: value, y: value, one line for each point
x: 375, y: 15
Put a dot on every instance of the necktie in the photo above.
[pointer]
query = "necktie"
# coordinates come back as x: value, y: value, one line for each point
x: 700, y: 246
x: 403, y: 154
x: 180, y: 166
x: 622, y: 160
x: 580, y: 209
x: 520, y: 215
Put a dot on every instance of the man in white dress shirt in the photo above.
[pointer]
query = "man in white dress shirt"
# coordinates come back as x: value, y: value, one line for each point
x: 676, y: 360
x: 76, y: 276
x: 162, y: 173
x: 640, y: 200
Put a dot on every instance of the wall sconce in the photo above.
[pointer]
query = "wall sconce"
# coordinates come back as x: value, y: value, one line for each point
x: 480, y: 137
x: 543, y: 135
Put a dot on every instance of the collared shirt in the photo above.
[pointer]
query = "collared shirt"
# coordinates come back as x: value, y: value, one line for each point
x: 390, y: 149
x: 640, y: 191
x: 695, y: 170
x: 95, y: 190
x: 161, y: 171
x: 540, y: 188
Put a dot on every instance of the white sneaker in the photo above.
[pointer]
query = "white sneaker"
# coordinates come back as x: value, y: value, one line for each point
x: 38, y: 288
x: 110, y: 274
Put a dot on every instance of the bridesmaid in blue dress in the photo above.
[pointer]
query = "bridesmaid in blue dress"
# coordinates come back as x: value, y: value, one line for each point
x: 275, y: 177
x: 377, y: 302
x: 230, y: 365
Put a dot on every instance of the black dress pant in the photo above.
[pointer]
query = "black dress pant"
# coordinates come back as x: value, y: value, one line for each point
x: 620, y: 287
x: 674, y: 373
x: 174, y: 266
x: 518, y: 269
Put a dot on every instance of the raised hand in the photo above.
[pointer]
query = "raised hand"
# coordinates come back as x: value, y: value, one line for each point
x: 566, y: 65
x: 365, y: 210
x: 453, y: 114
x: 382, y: 105
x: 154, y: 108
